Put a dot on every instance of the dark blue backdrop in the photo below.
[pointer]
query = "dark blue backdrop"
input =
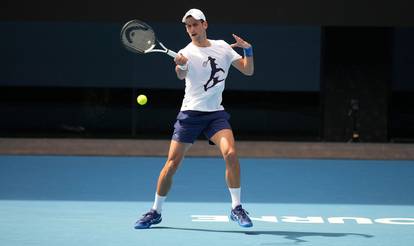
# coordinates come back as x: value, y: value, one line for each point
x: 89, y: 54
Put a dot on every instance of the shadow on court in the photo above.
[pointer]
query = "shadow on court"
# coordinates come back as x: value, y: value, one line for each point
x: 294, y: 236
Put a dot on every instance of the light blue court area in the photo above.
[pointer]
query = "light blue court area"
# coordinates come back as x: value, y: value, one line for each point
x: 67, y: 200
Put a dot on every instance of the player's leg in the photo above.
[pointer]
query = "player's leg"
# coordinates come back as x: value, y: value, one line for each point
x: 186, y: 130
x: 175, y: 156
x: 224, y: 139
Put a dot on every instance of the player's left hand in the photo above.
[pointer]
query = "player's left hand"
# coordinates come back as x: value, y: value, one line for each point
x: 240, y: 43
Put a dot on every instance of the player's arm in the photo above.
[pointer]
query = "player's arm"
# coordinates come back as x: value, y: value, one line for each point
x: 245, y: 64
x: 181, y: 67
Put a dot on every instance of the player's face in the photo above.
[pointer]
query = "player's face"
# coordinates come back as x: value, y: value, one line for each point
x: 196, y: 29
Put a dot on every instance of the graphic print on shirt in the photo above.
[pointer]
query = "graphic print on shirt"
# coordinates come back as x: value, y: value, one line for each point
x: 214, y: 69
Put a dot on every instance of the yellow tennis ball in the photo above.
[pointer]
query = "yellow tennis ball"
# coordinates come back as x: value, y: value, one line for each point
x: 142, y: 99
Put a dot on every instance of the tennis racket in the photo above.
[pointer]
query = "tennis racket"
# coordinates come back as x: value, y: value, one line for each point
x: 137, y: 36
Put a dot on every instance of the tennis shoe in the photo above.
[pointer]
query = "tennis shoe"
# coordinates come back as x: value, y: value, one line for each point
x: 241, y: 216
x: 148, y: 219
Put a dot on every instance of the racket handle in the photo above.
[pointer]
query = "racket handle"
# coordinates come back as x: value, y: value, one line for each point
x: 168, y: 52
x: 171, y: 53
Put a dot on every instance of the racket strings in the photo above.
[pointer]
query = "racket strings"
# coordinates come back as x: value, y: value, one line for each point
x: 139, y: 37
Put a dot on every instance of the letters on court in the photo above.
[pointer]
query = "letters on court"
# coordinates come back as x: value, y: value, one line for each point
x: 310, y: 220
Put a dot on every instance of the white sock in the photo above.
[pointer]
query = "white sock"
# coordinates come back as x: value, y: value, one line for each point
x: 159, y: 200
x: 235, y: 197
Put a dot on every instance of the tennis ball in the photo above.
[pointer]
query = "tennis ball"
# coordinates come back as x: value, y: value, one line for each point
x: 142, y: 99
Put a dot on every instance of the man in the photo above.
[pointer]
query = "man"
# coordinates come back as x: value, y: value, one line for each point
x: 204, y: 64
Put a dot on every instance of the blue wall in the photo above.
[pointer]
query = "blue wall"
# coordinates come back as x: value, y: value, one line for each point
x: 89, y: 54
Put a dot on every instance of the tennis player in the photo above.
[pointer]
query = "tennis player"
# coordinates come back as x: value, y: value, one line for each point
x: 204, y: 64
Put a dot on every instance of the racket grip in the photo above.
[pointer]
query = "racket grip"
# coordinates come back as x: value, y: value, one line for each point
x: 171, y: 53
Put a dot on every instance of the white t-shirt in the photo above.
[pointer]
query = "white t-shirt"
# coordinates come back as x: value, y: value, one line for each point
x: 207, y: 71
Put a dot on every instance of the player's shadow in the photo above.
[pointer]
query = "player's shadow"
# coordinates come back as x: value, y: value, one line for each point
x: 296, y: 237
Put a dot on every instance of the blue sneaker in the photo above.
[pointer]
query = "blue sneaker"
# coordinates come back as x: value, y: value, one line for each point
x: 148, y: 219
x: 241, y: 216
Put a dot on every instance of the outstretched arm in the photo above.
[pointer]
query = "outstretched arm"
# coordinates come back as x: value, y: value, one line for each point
x: 245, y: 64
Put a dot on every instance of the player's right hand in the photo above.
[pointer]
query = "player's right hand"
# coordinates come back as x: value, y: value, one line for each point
x: 180, y: 60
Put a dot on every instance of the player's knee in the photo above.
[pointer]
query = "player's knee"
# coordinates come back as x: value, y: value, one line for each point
x: 230, y: 156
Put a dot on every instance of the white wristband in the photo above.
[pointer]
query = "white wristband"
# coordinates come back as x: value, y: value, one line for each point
x: 183, y: 67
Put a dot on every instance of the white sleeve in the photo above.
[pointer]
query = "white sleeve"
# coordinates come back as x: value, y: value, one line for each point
x: 233, y: 55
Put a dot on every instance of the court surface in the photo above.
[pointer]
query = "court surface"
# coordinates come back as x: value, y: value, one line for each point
x: 85, y: 200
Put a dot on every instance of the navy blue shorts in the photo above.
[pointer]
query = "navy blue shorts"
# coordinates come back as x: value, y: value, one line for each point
x: 190, y: 124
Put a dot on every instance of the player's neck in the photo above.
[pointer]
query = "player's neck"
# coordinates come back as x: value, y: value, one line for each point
x: 202, y: 43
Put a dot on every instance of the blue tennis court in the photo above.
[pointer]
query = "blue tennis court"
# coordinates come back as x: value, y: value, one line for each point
x: 93, y: 200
